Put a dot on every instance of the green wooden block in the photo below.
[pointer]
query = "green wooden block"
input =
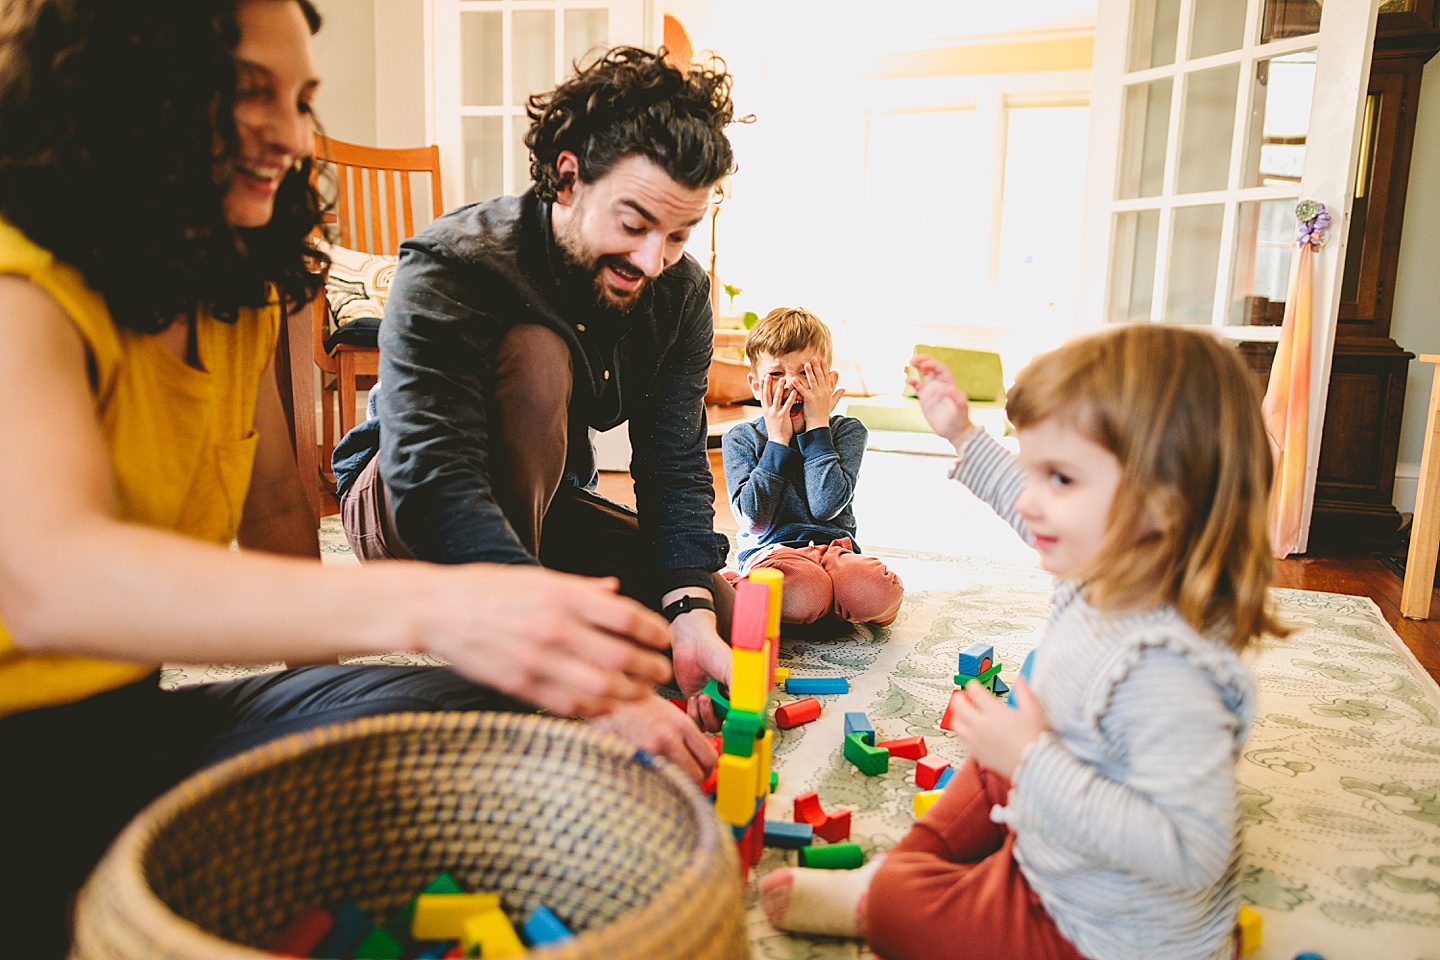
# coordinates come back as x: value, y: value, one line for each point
x: 872, y: 761
x: 740, y: 729
x: 378, y: 945
x: 987, y: 678
x: 774, y: 780
x: 832, y: 856
x: 722, y: 702
x: 398, y: 926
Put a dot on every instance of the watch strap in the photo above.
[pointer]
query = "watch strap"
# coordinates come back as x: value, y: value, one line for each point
x: 684, y: 605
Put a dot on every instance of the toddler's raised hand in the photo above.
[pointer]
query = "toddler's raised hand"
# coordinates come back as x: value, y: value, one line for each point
x: 995, y: 735
x: 775, y: 400
x: 945, y: 406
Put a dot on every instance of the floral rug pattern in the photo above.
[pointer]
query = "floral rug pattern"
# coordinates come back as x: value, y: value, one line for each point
x: 1340, y: 779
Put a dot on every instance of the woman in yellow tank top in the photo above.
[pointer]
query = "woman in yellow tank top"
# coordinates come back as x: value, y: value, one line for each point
x: 155, y: 209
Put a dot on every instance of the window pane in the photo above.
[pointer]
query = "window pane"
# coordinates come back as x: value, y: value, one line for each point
x: 1289, y: 18
x: 1207, y: 129
x: 484, y: 157
x: 1265, y: 231
x: 1132, y: 282
x: 1153, y: 27
x: 520, y: 126
x: 532, y: 53
x: 586, y: 31
x: 1038, y: 276
x: 1280, y: 120
x: 1194, y: 262
x: 482, y: 60
x: 1217, y: 27
x: 944, y: 251
x: 1146, y: 125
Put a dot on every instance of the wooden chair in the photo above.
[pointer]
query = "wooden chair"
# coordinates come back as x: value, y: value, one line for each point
x: 375, y: 209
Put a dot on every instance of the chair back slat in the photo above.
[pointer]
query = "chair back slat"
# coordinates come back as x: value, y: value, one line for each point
x: 377, y: 206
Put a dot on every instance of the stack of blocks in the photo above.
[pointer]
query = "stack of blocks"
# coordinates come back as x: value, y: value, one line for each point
x: 977, y: 662
x: 743, y: 775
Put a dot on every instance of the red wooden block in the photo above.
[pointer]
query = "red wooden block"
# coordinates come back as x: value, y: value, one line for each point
x: 303, y: 933
x: 836, y: 826
x: 807, y: 809
x: 680, y: 703
x: 928, y: 770
x: 947, y: 722
x: 797, y: 712
x: 911, y: 748
x: 752, y: 609
x: 455, y: 951
x: 711, y: 783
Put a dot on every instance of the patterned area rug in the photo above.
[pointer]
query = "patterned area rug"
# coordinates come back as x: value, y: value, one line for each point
x: 1341, y: 777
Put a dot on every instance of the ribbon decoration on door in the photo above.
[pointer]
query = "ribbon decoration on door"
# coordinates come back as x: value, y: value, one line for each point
x: 1286, y: 407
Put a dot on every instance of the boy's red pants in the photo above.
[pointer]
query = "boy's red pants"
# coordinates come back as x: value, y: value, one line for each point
x: 951, y: 889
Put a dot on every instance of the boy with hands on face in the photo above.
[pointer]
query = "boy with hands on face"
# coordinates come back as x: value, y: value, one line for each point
x: 791, y: 474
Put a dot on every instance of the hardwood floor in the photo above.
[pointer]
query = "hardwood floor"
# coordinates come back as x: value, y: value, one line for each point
x: 905, y: 501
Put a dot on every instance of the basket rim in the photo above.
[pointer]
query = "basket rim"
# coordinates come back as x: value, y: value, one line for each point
x: 120, y: 878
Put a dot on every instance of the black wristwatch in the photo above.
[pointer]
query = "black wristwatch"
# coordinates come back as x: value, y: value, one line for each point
x: 684, y: 605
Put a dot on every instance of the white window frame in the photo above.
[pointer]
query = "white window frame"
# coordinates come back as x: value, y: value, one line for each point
x: 1343, y: 47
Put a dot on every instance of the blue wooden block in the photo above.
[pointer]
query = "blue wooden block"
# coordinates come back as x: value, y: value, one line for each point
x: 976, y: 658
x: 1025, y: 673
x: 351, y: 926
x: 808, y: 685
x: 544, y: 927
x: 857, y: 722
x: 944, y: 778
x: 783, y: 833
x: 1001, y: 688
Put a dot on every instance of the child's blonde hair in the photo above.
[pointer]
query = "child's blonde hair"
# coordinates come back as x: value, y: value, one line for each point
x: 1189, y: 525
x: 785, y: 330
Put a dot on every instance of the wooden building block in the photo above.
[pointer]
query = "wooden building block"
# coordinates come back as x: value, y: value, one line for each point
x: 750, y: 679
x: 911, y: 748
x: 928, y: 770
x: 872, y: 761
x: 752, y: 612
x: 776, y: 581
x: 924, y: 800
x: 442, y: 916
x: 797, y: 712
x: 493, y: 935
x: 857, y: 722
x: 736, y: 790
x: 976, y: 658
x: 834, y: 856
x: 836, y: 826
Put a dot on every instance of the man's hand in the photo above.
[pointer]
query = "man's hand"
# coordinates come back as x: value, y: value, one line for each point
x: 776, y: 398
x: 945, y: 406
x: 653, y: 724
x: 995, y: 735
x: 816, y: 388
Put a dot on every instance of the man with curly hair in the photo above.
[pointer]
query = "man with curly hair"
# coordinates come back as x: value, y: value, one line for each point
x: 517, y: 326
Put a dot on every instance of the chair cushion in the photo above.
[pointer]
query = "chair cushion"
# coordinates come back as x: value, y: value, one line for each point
x: 355, y: 291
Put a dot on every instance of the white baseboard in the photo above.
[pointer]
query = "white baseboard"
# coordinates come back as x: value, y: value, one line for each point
x: 1407, y: 483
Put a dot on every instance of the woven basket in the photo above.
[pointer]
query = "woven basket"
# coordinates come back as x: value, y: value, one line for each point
x: 627, y: 853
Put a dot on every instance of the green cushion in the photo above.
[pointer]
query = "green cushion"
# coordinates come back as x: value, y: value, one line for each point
x: 977, y: 372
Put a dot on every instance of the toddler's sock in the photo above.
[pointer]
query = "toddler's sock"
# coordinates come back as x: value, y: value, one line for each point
x: 828, y: 902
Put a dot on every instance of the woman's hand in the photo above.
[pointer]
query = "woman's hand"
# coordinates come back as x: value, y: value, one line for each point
x: 653, y: 724
x: 571, y: 645
x: 945, y: 406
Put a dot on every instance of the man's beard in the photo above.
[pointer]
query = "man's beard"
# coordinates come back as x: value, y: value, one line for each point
x: 588, y: 274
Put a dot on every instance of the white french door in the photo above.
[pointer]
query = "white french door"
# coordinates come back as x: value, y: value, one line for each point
x: 1210, y: 119
x: 487, y: 57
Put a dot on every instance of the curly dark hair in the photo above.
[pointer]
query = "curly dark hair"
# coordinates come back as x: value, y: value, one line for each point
x: 117, y: 141
x: 630, y: 101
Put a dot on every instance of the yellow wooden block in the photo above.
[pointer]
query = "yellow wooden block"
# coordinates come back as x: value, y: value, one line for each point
x: 1252, y: 926
x: 776, y: 580
x: 781, y: 675
x: 441, y: 916
x: 736, y: 787
x: 925, y: 799
x: 763, y: 746
x: 490, y: 935
x: 749, y: 679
